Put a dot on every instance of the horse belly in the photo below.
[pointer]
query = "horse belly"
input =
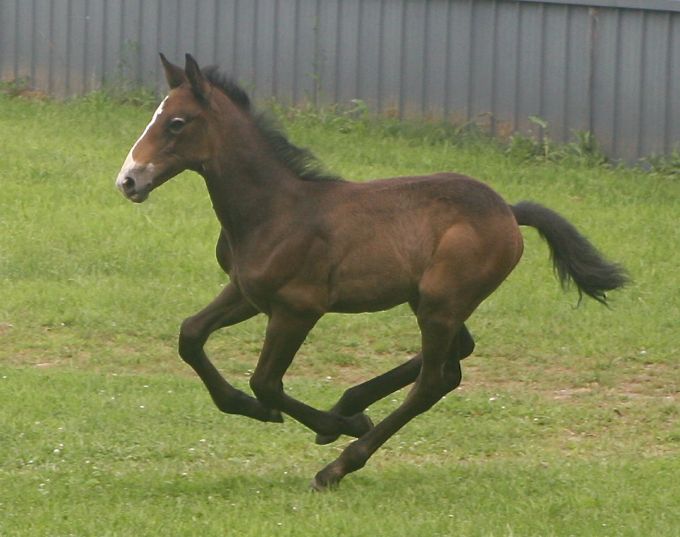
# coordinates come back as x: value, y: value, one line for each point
x: 370, y: 291
x: 376, y: 303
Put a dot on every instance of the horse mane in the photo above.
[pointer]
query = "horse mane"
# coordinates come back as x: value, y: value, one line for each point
x: 298, y: 160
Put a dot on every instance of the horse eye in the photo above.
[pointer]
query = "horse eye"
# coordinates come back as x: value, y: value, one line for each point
x: 176, y: 124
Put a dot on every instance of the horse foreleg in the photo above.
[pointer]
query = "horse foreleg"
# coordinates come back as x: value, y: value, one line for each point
x: 358, y: 398
x: 285, y: 333
x: 227, y: 309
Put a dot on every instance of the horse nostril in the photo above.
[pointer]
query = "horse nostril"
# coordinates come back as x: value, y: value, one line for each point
x: 128, y: 184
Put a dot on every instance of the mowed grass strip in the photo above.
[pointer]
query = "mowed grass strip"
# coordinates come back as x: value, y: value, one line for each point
x: 566, y: 422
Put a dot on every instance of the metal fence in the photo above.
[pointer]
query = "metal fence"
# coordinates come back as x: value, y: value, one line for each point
x: 609, y: 67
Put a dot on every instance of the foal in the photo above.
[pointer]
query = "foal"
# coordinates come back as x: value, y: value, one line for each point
x: 297, y: 244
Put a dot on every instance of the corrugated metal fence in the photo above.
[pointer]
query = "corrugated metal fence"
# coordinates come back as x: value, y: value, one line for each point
x: 609, y: 67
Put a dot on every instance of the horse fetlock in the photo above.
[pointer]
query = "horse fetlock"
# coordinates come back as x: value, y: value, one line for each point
x: 323, y: 439
x: 241, y: 404
x: 354, y: 457
x: 231, y: 402
x: 358, y: 425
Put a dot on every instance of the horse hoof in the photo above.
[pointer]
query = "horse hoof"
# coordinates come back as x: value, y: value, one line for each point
x: 319, y: 484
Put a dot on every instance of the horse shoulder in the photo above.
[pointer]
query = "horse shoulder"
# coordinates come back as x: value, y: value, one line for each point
x: 291, y: 271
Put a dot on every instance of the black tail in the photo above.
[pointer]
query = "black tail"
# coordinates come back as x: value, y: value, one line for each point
x: 573, y: 256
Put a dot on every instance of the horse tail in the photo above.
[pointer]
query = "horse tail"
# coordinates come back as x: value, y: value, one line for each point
x: 574, y: 257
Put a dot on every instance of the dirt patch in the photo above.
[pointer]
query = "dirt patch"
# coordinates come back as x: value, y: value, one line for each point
x: 624, y: 379
x: 570, y: 393
x: 653, y: 380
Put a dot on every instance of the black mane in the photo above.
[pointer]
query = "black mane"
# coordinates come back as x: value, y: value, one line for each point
x: 300, y: 161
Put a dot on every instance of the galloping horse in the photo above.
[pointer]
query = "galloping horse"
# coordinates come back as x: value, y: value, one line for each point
x: 298, y: 243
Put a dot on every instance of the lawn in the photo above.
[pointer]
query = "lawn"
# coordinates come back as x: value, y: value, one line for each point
x: 567, y: 421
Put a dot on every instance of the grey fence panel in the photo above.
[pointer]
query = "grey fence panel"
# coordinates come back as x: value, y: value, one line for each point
x: 460, y: 45
x: 655, y: 60
x: 672, y: 79
x: 390, y: 67
x: 530, y: 68
x: 611, y: 67
x: 506, y: 86
x: 577, y: 110
x: 369, y: 57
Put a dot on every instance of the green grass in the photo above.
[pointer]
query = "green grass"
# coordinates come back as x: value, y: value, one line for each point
x: 567, y: 422
x: 93, y: 454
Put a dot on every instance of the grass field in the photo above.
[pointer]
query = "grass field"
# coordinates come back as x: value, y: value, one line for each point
x: 567, y: 422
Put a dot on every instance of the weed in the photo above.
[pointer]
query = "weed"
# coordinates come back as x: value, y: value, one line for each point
x: 113, y: 93
x: 21, y: 87
x: 664, y: 165
x: 583, y: 150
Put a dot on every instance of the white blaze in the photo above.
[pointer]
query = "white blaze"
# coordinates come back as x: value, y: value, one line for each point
x: 130, y: 162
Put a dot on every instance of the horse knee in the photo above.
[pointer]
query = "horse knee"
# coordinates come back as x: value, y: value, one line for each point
x: 191, y: 339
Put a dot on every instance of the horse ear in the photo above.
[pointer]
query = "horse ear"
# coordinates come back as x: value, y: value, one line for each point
x: 199, y: 84
x: 173, y: 74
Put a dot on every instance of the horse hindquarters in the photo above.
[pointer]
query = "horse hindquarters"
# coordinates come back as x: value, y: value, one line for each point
x: 469, y: 263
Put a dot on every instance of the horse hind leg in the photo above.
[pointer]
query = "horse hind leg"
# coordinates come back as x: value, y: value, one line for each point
x: 439, y: 374
x: 357, y: 399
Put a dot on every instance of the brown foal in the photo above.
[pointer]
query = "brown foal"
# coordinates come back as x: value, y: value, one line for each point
x: 297, y: 244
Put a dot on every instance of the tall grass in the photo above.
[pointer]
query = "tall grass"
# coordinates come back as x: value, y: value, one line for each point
x: 566, y: 422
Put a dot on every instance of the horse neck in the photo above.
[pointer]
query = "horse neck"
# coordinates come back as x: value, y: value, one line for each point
x: 249, y: 188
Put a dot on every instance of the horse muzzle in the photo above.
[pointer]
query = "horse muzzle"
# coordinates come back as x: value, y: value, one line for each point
x: 136, y: 183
